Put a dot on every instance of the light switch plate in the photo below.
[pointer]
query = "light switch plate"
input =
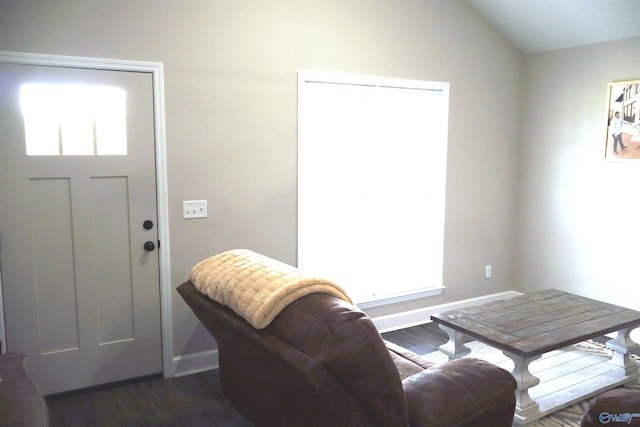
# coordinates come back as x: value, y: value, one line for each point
x: 194, y: 209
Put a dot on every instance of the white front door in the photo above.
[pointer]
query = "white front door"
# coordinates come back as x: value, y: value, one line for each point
x: 77, y: 204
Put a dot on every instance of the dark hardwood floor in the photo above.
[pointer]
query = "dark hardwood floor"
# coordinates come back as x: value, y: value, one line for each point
x: 194, y: 400
x: 421, y: 339
x: 189, y: 401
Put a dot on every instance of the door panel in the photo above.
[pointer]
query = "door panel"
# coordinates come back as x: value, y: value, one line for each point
x: 113, y: 265
x: 81, y: 295
x: 53, y: 262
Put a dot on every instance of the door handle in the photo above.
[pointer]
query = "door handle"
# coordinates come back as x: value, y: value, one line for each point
x: 149, y: 246
x: 147, y: 225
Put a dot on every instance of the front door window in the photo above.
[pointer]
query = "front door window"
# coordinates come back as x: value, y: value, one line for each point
x: 72, y: 120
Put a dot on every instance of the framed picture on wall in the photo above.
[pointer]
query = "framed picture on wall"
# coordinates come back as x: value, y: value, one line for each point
x: 623, y: 120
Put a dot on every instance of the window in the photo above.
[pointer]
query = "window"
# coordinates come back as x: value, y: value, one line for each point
x: 72, y: 120
x: 372, y: 159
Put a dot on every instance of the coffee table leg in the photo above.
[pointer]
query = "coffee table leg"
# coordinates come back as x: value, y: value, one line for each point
x: 525, y: 405
x: 454, y: 348
x: 620, y: 346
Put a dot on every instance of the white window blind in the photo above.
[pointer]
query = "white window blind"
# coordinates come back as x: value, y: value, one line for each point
x: 372, y: 159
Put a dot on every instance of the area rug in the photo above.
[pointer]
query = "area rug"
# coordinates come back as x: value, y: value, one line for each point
x: 567, y: 417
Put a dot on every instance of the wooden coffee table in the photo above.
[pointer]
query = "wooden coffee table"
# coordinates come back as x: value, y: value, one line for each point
x: 528, y: 326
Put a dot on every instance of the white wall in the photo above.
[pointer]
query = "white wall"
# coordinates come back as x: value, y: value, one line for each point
x: 230, y: 78
x: 578, y: 227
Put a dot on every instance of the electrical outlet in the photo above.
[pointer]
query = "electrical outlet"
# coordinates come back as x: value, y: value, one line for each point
x: 487, y: 272
x: 194, y: 209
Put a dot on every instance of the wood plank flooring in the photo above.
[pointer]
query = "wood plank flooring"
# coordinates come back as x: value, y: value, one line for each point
x: 190, y: 401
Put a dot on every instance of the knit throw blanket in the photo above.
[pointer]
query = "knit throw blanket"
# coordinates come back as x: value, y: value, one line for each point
x: 256, y: 287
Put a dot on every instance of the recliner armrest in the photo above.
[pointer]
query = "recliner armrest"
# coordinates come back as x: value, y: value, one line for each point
x: 465, y: 391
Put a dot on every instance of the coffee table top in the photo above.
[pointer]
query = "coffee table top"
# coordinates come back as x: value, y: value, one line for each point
x: 535, y: 323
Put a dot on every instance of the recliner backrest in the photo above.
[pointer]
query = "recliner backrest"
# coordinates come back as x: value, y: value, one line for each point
x: 347, y: 343
x: 320, y: 362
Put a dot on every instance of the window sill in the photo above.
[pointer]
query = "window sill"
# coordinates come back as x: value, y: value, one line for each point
x: 400, y: 298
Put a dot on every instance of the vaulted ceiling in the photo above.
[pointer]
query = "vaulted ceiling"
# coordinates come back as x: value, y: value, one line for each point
x: 543, y: 25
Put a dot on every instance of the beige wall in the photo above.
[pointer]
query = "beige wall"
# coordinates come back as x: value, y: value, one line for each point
x: 578, y: 225
x: 230, y: 80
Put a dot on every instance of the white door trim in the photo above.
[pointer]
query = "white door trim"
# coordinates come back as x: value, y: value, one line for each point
x: 157, y: 70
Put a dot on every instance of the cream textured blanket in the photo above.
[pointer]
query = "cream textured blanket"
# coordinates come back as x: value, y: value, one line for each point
x: 256, y: 287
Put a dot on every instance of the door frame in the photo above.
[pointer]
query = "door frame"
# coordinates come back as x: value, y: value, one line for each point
x: 156, y: 69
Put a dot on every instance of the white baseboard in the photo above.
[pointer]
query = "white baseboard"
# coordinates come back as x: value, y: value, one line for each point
x: 207, y: 360
x: 407, y: 319
x: 195, y: 362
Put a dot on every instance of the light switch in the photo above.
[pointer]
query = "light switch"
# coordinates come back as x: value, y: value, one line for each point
x: 194, y: 209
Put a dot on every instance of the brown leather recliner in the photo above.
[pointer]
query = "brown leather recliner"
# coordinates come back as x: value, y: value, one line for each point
x: 321, y: 362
